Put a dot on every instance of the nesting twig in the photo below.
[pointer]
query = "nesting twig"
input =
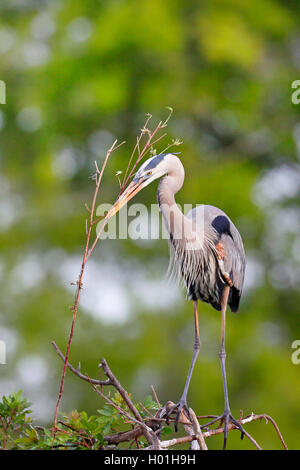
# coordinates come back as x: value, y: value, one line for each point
x: 196, y: 430
x: 148, y: 145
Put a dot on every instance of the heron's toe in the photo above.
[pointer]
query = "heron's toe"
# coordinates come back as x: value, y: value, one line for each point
x: 182, y: 412
x: 226, y: 419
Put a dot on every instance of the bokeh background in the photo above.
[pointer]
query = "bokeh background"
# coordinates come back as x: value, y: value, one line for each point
x: 79, y: 74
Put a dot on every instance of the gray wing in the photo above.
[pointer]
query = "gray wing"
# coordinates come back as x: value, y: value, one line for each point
x: 219, y: 228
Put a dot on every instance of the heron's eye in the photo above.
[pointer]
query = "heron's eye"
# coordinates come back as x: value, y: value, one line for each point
x: 149, y: 173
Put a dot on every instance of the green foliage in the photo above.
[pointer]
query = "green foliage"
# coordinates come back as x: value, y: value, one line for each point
x: 13, y: 418
x: 76, y: 430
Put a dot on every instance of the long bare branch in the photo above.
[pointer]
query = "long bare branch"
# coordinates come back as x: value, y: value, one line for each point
x: 99, y: 175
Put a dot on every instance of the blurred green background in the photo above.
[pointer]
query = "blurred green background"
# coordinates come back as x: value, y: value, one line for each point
x: 79, y: 74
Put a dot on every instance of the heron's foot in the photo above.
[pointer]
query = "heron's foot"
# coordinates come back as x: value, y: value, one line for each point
x: 180, y: 409
x: 225, y: 419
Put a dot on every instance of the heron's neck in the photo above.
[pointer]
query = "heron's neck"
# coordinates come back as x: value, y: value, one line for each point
x: 173, y: 217
x: 166, y: 192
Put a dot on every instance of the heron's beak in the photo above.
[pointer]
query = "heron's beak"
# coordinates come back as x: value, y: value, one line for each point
x: 132, y: 189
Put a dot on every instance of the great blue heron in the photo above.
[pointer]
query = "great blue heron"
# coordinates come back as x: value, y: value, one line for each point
x: 207, y: 250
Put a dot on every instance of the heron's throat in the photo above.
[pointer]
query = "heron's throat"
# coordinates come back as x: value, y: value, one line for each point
x: 175, y: 221
x: 166, y: 192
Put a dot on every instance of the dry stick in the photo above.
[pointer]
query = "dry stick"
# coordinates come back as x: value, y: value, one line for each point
x: 269, y: 418
x: 161, y: 125
x: 137, y: 432
x: 77, y: 372
x: 213, y: 432
x: 99, y: 175
x: 142, y: 153
x: 120, y: 389
x: 252, y: 440
x: 254, y: 417
x: 155, y: 396
x: 147, y: 431
x: 197, y: 430
x: 191, y: 428
x: 146, y: 411
x: 125, y: 436
x: 190, y: 423
x: 136, y: 147
x: 113, y: 381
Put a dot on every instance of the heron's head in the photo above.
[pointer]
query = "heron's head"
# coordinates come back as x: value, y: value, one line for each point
x: 150, y: 170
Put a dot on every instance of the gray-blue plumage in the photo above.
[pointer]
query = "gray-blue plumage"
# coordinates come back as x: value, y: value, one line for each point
x: 209, y: 283
x: 217, y: 256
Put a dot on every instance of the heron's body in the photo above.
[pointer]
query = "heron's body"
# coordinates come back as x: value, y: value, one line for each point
x: 216, y: 239
x: 206, y: 251
x: 208, y: 282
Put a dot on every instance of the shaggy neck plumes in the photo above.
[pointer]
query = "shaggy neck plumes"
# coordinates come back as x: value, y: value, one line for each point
x: 186, y: 242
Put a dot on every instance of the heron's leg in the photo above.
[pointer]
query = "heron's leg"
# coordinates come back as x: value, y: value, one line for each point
x: 222, y: 353
x: 227, y: 416
x: 183, y: 401
x: 195, y: 353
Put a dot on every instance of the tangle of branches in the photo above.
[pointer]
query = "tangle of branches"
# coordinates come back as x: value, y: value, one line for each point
x: 150, y: 427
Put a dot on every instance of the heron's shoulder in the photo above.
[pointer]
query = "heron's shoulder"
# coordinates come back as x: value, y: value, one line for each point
x: 215, y: 218
x: 207, y: 211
